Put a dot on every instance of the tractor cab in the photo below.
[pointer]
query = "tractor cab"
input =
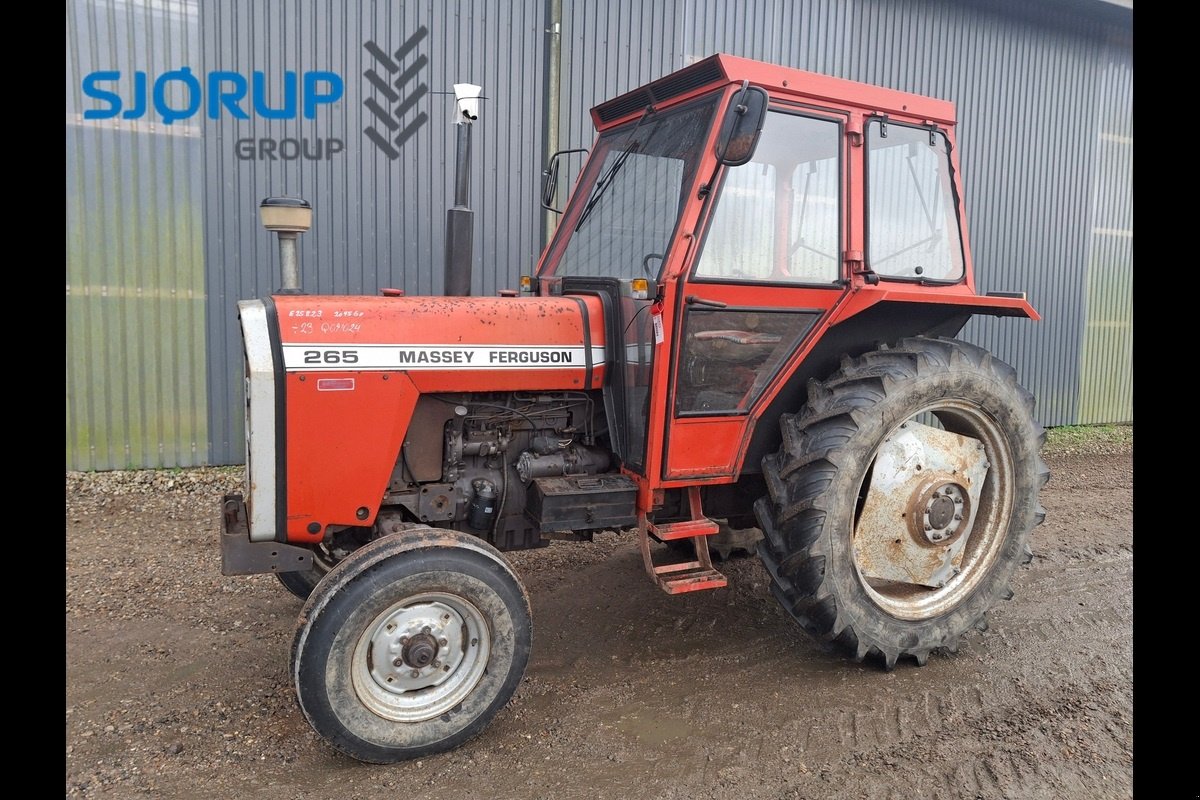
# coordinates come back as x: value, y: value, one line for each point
x: 728, y: 216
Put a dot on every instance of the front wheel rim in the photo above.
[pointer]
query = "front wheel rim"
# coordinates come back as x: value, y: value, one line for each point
x: 986, y: 538
x: 421, y: 657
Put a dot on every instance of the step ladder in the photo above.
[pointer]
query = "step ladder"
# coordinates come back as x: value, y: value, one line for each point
x: 689, y: 576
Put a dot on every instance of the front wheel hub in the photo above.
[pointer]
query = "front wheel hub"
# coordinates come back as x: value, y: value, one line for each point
x: 421, y: 657
x: 421, y: 651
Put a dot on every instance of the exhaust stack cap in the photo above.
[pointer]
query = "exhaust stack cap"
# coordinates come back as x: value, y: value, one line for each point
x: 288, y: 217
x: 286, y: 214
x: 467, y: 95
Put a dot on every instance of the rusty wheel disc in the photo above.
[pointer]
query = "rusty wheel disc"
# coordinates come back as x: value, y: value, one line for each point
x: 934, y: 508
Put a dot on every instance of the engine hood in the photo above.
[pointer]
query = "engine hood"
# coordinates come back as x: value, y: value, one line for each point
x: 447, y: 343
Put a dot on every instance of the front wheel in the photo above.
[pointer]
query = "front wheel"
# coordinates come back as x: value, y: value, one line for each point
x: 411, y: 645
x: 901, y: 500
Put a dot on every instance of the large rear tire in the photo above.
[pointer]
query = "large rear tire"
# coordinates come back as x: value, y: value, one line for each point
x: 868, y: 550
x: 410, y: 645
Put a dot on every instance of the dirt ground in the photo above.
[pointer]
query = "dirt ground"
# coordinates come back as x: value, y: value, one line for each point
x: 177, y: 677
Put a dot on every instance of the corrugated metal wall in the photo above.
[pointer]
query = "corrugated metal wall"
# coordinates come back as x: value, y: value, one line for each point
x: 1045, y: 102
x: 136, y: 387
x: 162, y: 228
x: 377, y: 221
x: 1106, y: 353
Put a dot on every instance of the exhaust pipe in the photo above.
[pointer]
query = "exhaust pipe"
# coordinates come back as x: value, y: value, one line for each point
x: 460, y: 219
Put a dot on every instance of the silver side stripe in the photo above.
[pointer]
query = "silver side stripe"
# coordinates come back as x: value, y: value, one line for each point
x: 308, y: 357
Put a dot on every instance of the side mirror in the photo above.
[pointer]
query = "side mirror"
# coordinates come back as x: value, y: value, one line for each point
x: 742, y: 126
x: 550, y: 179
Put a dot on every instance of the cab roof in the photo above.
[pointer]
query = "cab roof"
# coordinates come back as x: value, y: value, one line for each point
x: 780, y: 82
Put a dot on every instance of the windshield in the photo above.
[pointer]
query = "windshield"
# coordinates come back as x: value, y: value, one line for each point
x: 623, y: 215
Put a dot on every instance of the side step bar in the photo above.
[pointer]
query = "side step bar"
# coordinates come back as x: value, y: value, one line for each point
x: 690, y: 576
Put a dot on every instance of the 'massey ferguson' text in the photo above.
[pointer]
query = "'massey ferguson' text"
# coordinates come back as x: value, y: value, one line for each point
x: 531, y: 357
x: 463, y: 356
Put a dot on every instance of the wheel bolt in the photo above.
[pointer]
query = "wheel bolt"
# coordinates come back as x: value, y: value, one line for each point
x: 416, y: 673
x: 436, y: 664
x: 399, y: 662
x: 425, y: 629
x: 403, y: 640
x: 443, y: 642
x: 958, y: 516
x: 928, y: 527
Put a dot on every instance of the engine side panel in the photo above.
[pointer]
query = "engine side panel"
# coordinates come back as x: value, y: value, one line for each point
x: 355, y: 368
x: 341, y: 446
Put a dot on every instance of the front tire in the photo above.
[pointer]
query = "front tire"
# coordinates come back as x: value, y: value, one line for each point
x: 868, y: 551
x: 410, y: 645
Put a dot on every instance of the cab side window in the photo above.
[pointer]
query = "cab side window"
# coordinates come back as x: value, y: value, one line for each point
x: 777, y: 217
x: 912, y: 217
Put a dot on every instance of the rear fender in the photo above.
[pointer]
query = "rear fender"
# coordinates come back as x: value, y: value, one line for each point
x: 882, y: 323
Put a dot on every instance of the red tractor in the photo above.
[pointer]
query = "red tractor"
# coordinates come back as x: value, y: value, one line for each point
x: 744, y: 316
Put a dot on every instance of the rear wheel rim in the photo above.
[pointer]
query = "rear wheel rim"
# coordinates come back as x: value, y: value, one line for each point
x: 986, y: 538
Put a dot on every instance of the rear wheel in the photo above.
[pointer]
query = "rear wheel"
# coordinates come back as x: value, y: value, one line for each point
x: 902, y: 497
x: 410, y: 645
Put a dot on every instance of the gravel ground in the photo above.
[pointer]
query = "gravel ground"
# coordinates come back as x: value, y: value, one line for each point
x: 177, y: 684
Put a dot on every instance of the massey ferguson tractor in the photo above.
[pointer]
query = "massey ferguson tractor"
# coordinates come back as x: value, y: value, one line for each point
x: 744, y: 319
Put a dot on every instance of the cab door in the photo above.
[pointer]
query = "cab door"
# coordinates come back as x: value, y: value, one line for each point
x: 768, y: 270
